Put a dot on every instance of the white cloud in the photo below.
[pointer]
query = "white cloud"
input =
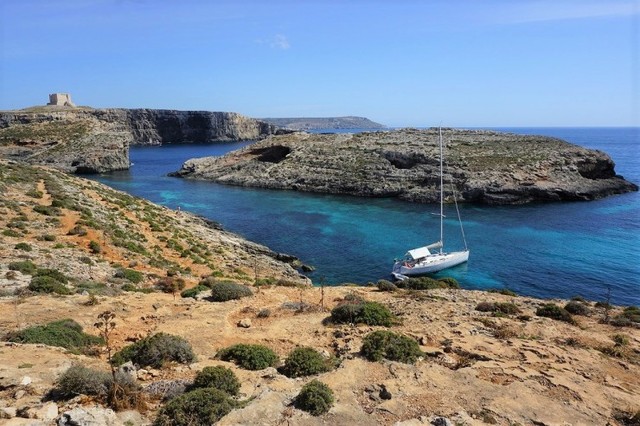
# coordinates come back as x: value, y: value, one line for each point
x: 278, y: 41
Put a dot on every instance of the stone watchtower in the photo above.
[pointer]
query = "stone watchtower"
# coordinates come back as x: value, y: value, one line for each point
x: 60, y: 99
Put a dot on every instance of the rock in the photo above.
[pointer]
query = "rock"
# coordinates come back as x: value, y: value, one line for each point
x: 404, y: 164
x: 128, y: 369
x: 26, y: 380
x: 46, y: 412
x: 441, y: 421
x: 384, y: 393
x: 88, y: 416
x: 269, y: 373
x: 19, y: 394
x: 8, y: 412
x: 244, y: 323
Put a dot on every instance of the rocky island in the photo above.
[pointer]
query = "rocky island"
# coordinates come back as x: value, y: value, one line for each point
x: 484, y: 166
x: 88, y: 140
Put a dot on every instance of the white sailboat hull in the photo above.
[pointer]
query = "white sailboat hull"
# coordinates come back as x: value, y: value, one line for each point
x: 431, y: 264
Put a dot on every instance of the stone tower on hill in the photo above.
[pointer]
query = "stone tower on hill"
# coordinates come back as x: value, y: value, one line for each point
x: 60, y: 99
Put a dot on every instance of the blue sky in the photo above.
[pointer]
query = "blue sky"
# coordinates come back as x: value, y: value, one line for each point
x: 401, y: 63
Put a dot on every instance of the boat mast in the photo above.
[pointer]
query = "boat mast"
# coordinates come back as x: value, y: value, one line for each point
x: 441, y: 193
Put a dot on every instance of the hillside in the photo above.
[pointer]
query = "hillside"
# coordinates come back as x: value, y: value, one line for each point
x: 484, y: 166
x: 324, y: 123
x: 118, y: 253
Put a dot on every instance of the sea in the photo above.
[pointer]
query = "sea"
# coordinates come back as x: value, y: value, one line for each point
x: 547, y: 250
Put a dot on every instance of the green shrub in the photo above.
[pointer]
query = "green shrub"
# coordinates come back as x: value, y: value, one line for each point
x: 45, y: 284
x: 364, y: 312
x: 304, y: 361
x: 498, y: 307
x: 80, y: 380
x: 170, y: 284
x: 427, y: 283
x: 577, y: 308
x: 47, y: 210
x: 384, y: 285
x: 629, y: 317
x: 65, y: 333
x: 217, y: 377
x: 49, y: 237
x: 155, y: 351
x: 94, y: 247
x: 10, y: 233
x: 315, y: 397
x: 77, y: 230
x: 504, y: 291
x: 555, y: 312
x: 386, y: 344
x: 23, y: 247
x: 25, y: 267
x: 194, y: 291
x: 249, y: 357
x: 223, y: 291
x: 129, y: 275
x: 34, y: 193
x: 52, y: 273
x: 199, y: 407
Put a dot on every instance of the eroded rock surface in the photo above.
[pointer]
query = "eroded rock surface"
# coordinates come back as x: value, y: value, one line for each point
x: 484, y: 166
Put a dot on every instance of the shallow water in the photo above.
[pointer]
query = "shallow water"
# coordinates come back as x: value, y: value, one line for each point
x: 543, y: 250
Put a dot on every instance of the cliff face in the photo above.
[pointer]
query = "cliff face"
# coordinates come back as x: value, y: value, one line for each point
x: 85, y: 140
x: 485, y: 167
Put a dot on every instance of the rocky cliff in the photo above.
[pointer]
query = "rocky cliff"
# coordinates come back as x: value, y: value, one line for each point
x: 484, y: 166
x: 85, y: 140
x: 319, y: 123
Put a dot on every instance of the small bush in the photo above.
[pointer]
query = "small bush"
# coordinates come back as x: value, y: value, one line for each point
x: 199, y: 407
x: 53, y: 273
x: 170, y: 284
x: 249, y: 357
x: 427, y: 283
x: 155, y: 351
x: 80, y: 380
x: 315, y: 397
x: 386, y: 344
x: 384, y: 285
x: 362, y: 312
x: 620, y: 339
x: 65, y: 333
x: 555, y: 312
x: 217, y: 377
x: 134, y: 289
x: 77, y: 230
x: 498, y: 307
x: 577, y: 308
x: 129, y: 275
x: 46, y: 284
x: 23, y: 247
x: 49, y: 237
x: 223, y: 291
x: 94, y: 247
x: 263, y: 313
x: 10, y: 233
x: 194, y: 291
x: 629, y: 317
x: 25, y: 267
x: 47, y: 210
x: 304, y: 361
x: 504, y: 291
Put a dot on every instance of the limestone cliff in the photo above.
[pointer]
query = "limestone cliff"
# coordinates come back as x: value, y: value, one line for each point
x: 85, y: 140
x: 484, y: 166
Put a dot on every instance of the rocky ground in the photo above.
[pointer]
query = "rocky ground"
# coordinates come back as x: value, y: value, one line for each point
x: 484, y: 166
x: 477, y: 368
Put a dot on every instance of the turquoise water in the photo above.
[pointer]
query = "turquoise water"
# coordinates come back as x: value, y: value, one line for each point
x: 543, y: 250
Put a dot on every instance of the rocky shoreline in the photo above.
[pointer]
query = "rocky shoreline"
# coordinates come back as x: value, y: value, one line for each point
x: 485, y: 167
x: 87, y: 140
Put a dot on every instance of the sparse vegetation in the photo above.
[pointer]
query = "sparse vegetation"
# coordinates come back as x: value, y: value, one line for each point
x: 305, y: 361
x: 629, y: 317
x: 25, y: 267
x: 384, y: 285
x: 47, y: 284
x: 577, y: 308
x: 506, y: 308
x: 384, y: 344
x: 23, y: 247
x: 94, y: 246
x: 249, y: 357
x: 427, y: 283
x: 129, y: 275
x: 315, y: 397
x: 155, y: 351
x: 504, y: 291
x: 194, y: 291
x: 80, y: 380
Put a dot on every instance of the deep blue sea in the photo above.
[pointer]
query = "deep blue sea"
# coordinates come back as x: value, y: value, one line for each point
x: 542, y: 250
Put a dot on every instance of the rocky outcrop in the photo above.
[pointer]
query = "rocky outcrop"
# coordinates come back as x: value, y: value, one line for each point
x: 320, y: 123
x: 484, y: 166
x: 85, y: 140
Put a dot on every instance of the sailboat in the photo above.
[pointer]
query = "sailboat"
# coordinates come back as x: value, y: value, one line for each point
x: 431, y: 258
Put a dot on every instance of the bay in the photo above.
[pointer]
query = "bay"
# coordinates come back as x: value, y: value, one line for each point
x: 543, y: 250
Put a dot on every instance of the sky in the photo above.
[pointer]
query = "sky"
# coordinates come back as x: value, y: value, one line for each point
x: 470, y: 63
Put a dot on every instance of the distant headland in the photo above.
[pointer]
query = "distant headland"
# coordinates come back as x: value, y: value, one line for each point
x: 322, y: 123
